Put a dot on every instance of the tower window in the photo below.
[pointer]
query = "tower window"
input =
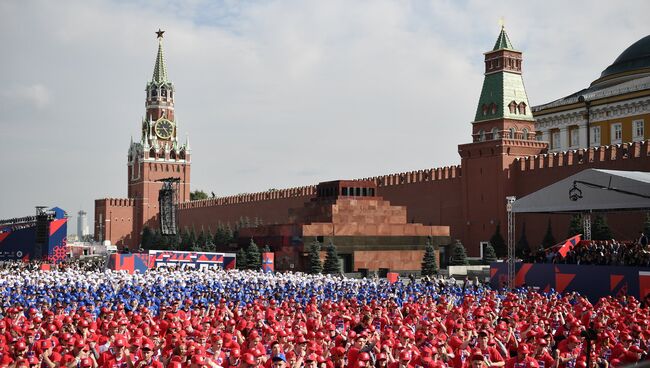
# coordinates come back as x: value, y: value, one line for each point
x: 513, y: 107
x: 163, y: 92
x: 154, y: 92
x: 485, y: 109
x: 493, y: 108
x: 522, y: 108
x: 524, y: 132
x: 495, y: 133
x: 481, y: 135
x: 513, y: 133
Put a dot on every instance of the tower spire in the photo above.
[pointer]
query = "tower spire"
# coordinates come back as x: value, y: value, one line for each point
x: 503, y: 41
x: 160, y: 69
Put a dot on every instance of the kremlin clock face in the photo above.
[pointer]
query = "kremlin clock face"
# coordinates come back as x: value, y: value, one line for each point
x: 164, y: 129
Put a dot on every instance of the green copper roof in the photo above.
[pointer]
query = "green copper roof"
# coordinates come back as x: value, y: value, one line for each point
x: 503, y: 42
x: 501, y: 89
x: 159, y: 70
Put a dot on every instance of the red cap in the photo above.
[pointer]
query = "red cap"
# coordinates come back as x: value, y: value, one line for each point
x: 523, y: 349
x: 199, y: 359
x: 248, y: 358
x: 405, y: 355
x: 235, y: 353
x: 86, y: 362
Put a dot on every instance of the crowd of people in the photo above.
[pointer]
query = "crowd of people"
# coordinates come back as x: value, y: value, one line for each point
x: 215, y: 318
x: 599, y: 252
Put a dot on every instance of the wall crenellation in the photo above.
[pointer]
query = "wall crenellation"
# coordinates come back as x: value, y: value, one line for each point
x: 584, y: 156
x: 418, y: 176
x: 306, y: 191
x: 118, y: 202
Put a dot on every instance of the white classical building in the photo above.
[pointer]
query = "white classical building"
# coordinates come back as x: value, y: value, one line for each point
x: 614, y: 109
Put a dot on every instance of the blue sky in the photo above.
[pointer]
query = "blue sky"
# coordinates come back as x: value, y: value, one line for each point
x: 273, y: 94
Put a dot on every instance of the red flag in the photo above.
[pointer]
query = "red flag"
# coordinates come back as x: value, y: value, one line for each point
x: 569, y: 244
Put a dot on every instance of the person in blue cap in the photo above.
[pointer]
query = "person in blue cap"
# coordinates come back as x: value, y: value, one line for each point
x: 279, y: 361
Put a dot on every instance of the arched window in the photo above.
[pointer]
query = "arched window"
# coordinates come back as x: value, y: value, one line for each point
x: 152, y: 153
x: 485, y: 109
x: 513, y: 133
x: 524, y: 132
x: 493, y: 108
x: 495, y: 133
x: 154, y: 92
x: 172, y: 155
x: 512, y: 106
x: 163, y: 92
x: 481, y: 135
x: 522, y: 108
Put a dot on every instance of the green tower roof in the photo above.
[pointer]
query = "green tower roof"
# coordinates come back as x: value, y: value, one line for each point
x: 503, y: 41
x: 160, y: 69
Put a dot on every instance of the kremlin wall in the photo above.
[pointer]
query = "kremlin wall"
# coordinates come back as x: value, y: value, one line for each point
x: 506, y: 157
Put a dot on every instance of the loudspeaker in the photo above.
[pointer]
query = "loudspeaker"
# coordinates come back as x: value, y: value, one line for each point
x: 167, y: 211
x: 42, y: 235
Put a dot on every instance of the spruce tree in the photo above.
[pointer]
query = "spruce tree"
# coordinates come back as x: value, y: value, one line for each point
x: 191, y: 242
x: 331, y: 265
x: 549, y: 239
x: 600, y: 230
x: 253, y: 256
x: 266, y: 249
x: 241, y: 259
x: 523, y: 248
x: 147, y: 238
x: 315, y: 264
x: 429, y: 264
x: 498, y: 243
x: 201, y: 241
x: 575, y: 226
x: 489, y: 255
x: 458, y: 255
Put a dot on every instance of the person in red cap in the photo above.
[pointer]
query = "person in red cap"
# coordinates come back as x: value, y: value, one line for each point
x: 248, y: 360
x: 522, y: 359
x: 233, y: 360
x: 405, y: 358
x: 147, y: 358
x: 492, y: 356
x: 624, y: 344
x: 339, y: 358
x: 478, y: 360
x: 117, y: 356
x: 569, y: 351
x: 542, y: 354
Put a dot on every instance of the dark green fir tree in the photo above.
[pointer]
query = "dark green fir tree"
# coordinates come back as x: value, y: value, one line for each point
x: 331, y: 265
x: 429, y: 264
x: 315, y: 264
x: 458, y: 255
x: 253, y: 256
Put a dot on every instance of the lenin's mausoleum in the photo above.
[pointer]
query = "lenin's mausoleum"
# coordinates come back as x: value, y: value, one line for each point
x: 383, y: 222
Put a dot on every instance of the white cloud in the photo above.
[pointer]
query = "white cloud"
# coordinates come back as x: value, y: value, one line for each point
x: 33, y: 95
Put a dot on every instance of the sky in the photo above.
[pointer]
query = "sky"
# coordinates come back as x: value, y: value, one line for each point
x: 272, y: 94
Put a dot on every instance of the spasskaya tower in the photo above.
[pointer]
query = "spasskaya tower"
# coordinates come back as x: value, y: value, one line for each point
x: 158, y: 154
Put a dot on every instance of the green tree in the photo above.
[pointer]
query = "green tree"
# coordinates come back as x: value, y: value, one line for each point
x: 429, y: 264
x: 489, y: 255
x: 240, y: 261
x: 201, y: 241
x: 191, y: 245
x: 575, y: 226
x: 499, y: 244
x: 147, y: 241
x: 600, y: 230
x: 523, y: 248
x: 253, y: 256
x: 315, y: 264
x: 458, y: 255
x: 266, y: 249
x: 549, y: 239
x: 198, y: 195
x: 331, y: 265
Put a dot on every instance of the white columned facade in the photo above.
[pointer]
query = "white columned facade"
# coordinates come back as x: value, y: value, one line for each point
x: 564, y: 138
x: 582, y: 135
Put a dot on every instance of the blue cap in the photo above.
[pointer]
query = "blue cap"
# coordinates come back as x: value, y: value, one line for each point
x: 279, y: 357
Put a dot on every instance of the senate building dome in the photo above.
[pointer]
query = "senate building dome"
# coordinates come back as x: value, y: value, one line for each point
x: 634, y: 58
